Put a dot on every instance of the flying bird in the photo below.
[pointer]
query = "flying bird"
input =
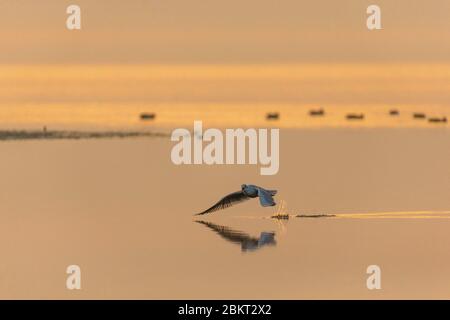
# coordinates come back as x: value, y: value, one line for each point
x: 247, y: 242
x: 247, y: 192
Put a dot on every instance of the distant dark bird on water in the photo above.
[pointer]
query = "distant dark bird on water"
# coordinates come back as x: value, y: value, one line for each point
x: 394, y: 112
x: 272, y: 116
x: 443, y: 120
x: 316, y: 112
x: 419, y: 115
x: 355, y: 116
x: 147, y: 116
x: 247, y: 192
x: 247, y: 242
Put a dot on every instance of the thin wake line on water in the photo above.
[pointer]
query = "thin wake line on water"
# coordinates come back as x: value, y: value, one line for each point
x: 364, y: 215
x: 396, y: 215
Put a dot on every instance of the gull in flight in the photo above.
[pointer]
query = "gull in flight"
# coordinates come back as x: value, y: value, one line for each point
x: 247, y: 192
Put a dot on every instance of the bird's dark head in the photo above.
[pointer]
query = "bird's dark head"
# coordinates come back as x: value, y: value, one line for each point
x: 243, y: 186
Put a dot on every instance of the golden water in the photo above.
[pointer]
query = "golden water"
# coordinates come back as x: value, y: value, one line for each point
x: 222, y: 95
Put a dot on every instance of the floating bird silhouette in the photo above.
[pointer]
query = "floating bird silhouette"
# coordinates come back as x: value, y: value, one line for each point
x: 419, y: 115
x: 394, y: 112
x: 272, y: 116
x: 443, y: 119
x: 247, y: 242
x: 355, y: 116
x: 247, y: 192
x: 316, y: 112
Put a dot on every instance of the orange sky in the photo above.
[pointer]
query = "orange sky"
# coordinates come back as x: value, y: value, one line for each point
x: 232, y: 31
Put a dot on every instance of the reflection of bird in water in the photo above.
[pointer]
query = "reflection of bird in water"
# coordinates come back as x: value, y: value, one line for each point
x: 248, y: 243
x: 247, y: 192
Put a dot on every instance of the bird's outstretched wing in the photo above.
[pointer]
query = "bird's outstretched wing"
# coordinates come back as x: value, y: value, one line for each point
x: 226, y: 202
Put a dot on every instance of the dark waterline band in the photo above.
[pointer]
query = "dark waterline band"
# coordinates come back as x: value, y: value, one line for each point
x: 6, y: 135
